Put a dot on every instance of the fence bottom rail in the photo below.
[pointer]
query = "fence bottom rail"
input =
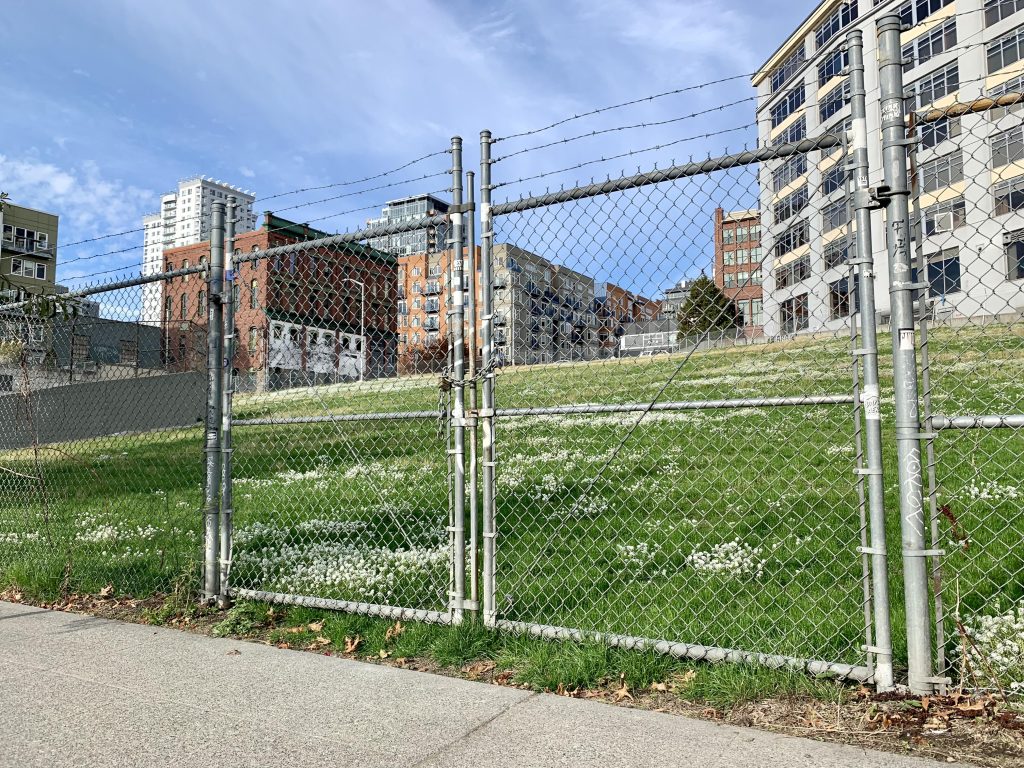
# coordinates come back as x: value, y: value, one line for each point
x: 710, y: 653
x: 346, y: 606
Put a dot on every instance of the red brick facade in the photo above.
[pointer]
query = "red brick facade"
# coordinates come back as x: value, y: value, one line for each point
x: 738, y: 259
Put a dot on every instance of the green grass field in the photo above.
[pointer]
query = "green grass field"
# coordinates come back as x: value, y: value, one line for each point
x: 734, y: 528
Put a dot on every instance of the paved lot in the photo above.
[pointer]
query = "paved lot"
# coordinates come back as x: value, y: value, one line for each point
x: 80, y: 691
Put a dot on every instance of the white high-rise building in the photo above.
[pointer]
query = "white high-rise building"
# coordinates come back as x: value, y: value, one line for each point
x: 184, y: 219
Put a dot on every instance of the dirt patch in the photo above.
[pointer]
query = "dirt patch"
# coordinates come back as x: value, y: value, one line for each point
x: 979, y: 729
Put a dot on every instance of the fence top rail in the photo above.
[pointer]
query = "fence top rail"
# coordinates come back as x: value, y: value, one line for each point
x: 702, y: 167
x: 115, y: 285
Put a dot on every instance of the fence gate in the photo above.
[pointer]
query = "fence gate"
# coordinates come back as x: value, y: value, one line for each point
x: 343, y: 473
x: 696, y: 486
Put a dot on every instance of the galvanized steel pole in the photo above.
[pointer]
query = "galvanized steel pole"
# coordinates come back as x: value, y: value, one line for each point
x: 908, y: 425
x: 226, y: 491
x: 863, y: 204
x: 214, y: 361
x: 486, y: 412
x: 474, y: 472
x: 457, y: 336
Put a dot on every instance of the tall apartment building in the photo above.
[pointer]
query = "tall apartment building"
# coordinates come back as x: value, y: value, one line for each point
x: 971, y: 167
x: 543, y: 312
x: 184, y: 219
x: 738, y: 263
x: 323, y: 315
x: 426, y: 240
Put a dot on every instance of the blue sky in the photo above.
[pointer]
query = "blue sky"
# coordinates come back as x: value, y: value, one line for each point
x: 107, y: 104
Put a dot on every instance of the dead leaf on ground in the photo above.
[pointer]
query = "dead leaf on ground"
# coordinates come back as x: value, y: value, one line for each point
x: 107, y: 591
x: 315, y: 626
x: 659, y: 687
x: 622, y: 692
x: 353, y: 643
x: 478, y: 669
x: 383, y: 653
x: 234, y: 652
x: 320, y: 641
x: 393, y: 632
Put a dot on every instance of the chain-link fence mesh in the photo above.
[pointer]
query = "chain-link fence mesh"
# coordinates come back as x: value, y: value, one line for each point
x: 969, y: 261
x: 100, y: 455
x: 676, y: 450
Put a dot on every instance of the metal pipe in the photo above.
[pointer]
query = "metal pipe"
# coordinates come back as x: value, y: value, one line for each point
x: 1015, y: 421
x: 456, y: 272
x: 708, y: 653
x: 564, y: 410
x: 214, y: 362
x: 868, y: 353
x: 364, y: 609
x: 908, y: 424
x: 486, y: 413
x: 471, y: 324
x: 675, y: 172
x: 228, y: 391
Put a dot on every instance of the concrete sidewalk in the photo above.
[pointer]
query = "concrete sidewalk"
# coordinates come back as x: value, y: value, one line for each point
x: 81, y: 691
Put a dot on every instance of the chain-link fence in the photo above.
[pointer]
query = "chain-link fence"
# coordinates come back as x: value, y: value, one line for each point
x: 652, y: 410
x: 101, y: 478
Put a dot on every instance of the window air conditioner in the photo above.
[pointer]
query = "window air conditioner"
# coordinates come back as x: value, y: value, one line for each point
x: 944, y: 222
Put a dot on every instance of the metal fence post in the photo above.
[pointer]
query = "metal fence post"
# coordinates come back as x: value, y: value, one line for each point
x: 486, y: 412
x: 902, y: 286
x: 457, y: 336
x: 471, y: 312
x: 862, y: 204
x: 214, y: 355
x: 228, y: 391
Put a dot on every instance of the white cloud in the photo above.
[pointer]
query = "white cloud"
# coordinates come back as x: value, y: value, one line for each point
x: 248, y: 172
x: 88, y: 203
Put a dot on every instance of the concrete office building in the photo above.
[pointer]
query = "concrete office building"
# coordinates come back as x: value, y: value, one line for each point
x: 971, y: 167
x: 184, y: 219
x: 426, y: 240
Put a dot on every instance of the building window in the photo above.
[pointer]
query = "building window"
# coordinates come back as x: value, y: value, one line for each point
x: 943, y: 217
x: 1007, y: 147
x: 756, y: 312
x: 929, y: 45
x: 794, y: 315
x: 790, y: 103
x: 167, y: 307
x: 791, y: 239
x: 1005, y: 51
x: 832, y: 65
x: 254, y: 339
x: 936, y: 132
x: 729, y: 258
x: 792, y: 169
x: 833, y: 179
x: 1009, y: 195
x: 1015, y: 85
x: 254, y: 301
x: 793, y: 272
x: 838, y: 251
x: 997, y: 10
x: 728, y: 235
x: 790, y: 205
x: 185, y: 265
x: 201, y: 303
x: 8, y: 233
x: 943, y: 272
x: 842, y: 295
x: 913, y: 12
x: 1013, y: 247
x: 796, y: 131
x: 834, y: 101
x: 782, y: 73
x: 935, y: 86
x: 844, y: 14
x: 835, y: 215
x: 183, y: 311
x: 730, y: 280
x: 942, y: 172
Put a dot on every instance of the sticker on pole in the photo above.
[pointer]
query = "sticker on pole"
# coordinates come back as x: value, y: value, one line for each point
x: 892, y: 110
x: 872, y: 405
x: 907, y: 340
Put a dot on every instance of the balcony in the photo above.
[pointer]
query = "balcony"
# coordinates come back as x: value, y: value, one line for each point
x: 432, y: 289
x: 432, y: 307
x: 532, y: 288
x: 431, y: 324
x: 500, y: 282
x: 500, y: 319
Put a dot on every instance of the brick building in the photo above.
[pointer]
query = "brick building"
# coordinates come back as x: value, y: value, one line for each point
x: 322, y: 315
x: 738, y: 260
x: 616, y: 309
